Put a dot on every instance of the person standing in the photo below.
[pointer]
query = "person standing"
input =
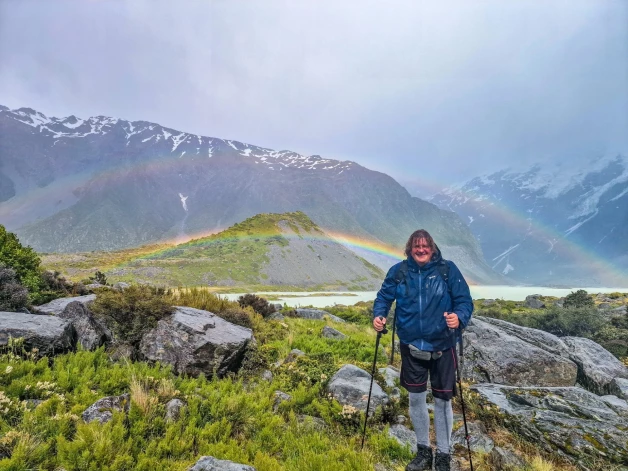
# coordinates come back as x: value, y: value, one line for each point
x: 433, y: 300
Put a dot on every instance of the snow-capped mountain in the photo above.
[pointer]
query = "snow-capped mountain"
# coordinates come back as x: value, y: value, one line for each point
x: 561, y: 224
x: 72, y: 184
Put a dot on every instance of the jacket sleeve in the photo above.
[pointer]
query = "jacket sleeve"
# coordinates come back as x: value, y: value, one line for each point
x: 386, y: 294
x: 462, y: 301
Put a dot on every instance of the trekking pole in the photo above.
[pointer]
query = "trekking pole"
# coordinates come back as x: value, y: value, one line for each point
x: 464, y: 415
x: 368, y: 402
x: 392, y: 353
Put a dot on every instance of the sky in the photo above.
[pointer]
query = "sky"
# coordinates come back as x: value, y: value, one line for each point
x: 430, y: 92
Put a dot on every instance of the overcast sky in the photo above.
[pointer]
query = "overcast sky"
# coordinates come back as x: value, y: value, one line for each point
x: 428, y: 91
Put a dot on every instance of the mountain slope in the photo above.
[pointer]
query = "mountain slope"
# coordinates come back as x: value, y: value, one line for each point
x: 267, y: 249
x: 105, y: 184
x: 550, y: 224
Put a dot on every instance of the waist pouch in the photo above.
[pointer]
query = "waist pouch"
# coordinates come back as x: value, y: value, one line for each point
x: 424, y: 355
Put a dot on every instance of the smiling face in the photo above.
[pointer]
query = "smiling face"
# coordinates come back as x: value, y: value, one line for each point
x: 421, y: 251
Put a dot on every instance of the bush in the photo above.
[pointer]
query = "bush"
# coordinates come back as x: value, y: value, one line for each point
x: 578, y: 298
x: 132, y: 312
x: 259, y: 305
x: 571, y: 321
x: 13, y: 296
x: 24, y: 260
x: 236, y: 316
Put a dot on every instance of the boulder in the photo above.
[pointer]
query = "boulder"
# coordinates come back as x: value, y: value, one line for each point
x: 193, y: 341
x: 390, y: 374
x: 331, y: 333
x: 350, y: 386
x: 533, y: 301
x: 597, y: 367
x: 619, y: 387
x: 276, y: 316
x: 570, y: 421
x: 102, y: 410
x: 506, y: 460
x: 209, y: 463
x: 173, y: 410
x: 90, y: 333
x: 493, y: 355
x: 120, y: 286
x: 479, y: 441
x: 488, y: 302
x: 57, y: 306
x: 280, y: 397
x: 293, y: 355
x: 538, y: 338
x: 403, y: 435
x: 316, y: 314
x: 48, y: 334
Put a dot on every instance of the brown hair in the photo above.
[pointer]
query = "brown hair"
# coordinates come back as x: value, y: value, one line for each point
x: 420, y: 234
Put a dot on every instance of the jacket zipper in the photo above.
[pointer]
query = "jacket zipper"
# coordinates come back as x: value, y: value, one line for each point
x: 421, y: 306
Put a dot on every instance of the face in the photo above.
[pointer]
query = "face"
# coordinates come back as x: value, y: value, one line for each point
x: 421, y: 251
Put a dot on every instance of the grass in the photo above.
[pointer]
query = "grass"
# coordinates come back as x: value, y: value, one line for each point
x: 230, y: 418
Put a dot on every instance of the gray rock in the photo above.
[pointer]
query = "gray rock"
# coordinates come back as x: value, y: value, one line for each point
x: 350, y: 386
x: 90, y: 333
x: 280, y: 397
x: 57, y: 306
x: 403, y: 435
x: 488, y: 302
x: 173, y: 410
x: 276, y: 316
x: 193, y: 341
x: 48, y: 334
x: 293, y: 355
x: 505, y: 459
x: 331, y: 333
x: 604, y: 306
x: 317, y: 314
x: 494, y: 355
x: 277, y: 306
x: 209, y: 463
x: 479, y: 441
x: 532, y: 301
x: 618, y: 405
x: 122, y: 352
x: 102, y: 410
x: 401, y: 419
x: 569, y: 421
x: 390, y: 374
x: 120, y: 286
x: 93, y: 286
x: 597, y: 367
x: 267, y: 375
x: 619, y: 387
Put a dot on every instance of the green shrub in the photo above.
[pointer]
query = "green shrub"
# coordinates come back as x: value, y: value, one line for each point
x: 578, y: 298
x: 13, y: 296
x: 131, y: 312
x: 236, y: 316
x: 259, y: 305
x: 24, y: 260
x: 201, y: 299
x: 571, y: 321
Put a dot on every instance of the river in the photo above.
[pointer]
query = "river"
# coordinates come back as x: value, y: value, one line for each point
x: 512, y: 293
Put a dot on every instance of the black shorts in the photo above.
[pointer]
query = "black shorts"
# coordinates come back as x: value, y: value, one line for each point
x: 441, y: 372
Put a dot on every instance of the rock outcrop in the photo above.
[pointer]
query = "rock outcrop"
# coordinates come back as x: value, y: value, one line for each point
x: 350, y: 386
x: 195, y: 341
x: 575, y: 422
x: 102, y: 410
x: 48, y: 334
x: 209, y: 463
x: 57, y: 306
x: 90, y: 333
x: 495, y: 355
x: 317, y: 314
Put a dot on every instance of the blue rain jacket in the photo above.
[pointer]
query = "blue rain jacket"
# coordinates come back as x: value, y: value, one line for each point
x: 422, y: 300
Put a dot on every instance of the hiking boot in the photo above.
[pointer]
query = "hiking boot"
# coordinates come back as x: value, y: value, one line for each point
x: 441, y: 463
x: 422, y: 460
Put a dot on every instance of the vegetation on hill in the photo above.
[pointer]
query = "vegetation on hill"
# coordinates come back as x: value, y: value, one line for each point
x: 237, y: 256
x: 235, y: 418
x: 23, y: 281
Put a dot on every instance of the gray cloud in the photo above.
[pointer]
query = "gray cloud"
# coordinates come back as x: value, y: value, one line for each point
x: 428, y: 91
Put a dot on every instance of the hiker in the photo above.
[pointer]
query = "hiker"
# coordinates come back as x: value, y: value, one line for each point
x: 433, y: 301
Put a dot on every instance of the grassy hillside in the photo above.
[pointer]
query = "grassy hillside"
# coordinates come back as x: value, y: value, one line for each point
x: 239, y: 256
x: 233, y: 418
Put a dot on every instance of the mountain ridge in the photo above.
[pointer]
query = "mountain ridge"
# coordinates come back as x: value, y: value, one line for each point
x: 142, y: 183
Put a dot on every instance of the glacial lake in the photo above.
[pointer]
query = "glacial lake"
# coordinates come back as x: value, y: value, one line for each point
x: 330, y: 298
